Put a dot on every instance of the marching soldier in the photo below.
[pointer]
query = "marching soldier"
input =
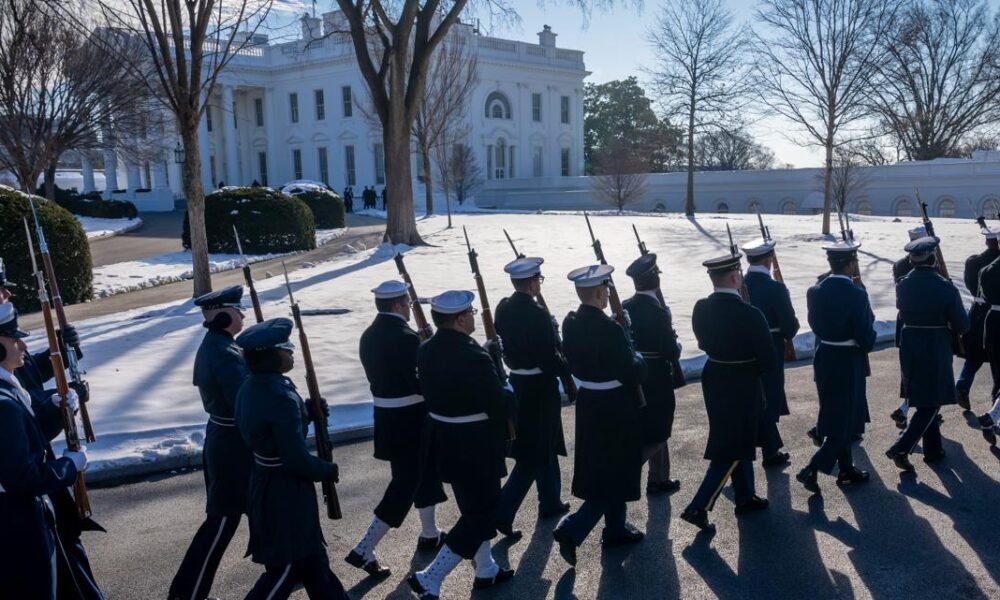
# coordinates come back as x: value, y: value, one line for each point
x: 989, y: 291
x: 31, y: 480
x: 841, y: 317
x: 931, y: 313
x: 900, y: 269
x: 468, y: 424
x: 975, y: 353
x: 388, y: 352
x: 532, y: 351
x: 736, y: 338
x: 74, y: 570
x: 655, y: 339
x: 285, y: 534
x: 608, y: 455
x: 219, y: 371
x: 771, y: 298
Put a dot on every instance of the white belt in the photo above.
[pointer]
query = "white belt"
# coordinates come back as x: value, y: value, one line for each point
x: 844, y: 344
x: 532, y: 371
x: 776, y: 330
x: 476, y: 418
x: 398, y: 402
x: 994, y: 306
x: 222, y: 421
x: 979, y: 300
x: 925, y: 326
x: 598, y: 385
x: 267, y: 461
x: 732, y: 362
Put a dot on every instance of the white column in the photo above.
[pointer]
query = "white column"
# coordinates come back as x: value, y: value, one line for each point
x: 133, y: 177
x: 229, y: 134
x: 159, y: 175
x: 576, y: 119
x: 204, y: 150
x: 87, y: 170
x: 272, y: 125
x: 110, y: 172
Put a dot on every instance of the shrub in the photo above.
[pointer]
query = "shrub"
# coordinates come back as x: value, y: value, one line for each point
x: 269, y: 221
x: 326, y: 205
x: 92, y: 205
x: 67, y: 244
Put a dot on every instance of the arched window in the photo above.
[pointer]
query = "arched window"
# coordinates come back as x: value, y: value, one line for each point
x: 863, y: 207
x: 722, y: 208
x: 497, y: 106
x: 904, y: 208
x: 946, y: 208
x: 789, y: 208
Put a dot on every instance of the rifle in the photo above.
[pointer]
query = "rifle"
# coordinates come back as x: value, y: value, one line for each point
x: 616, y: 303
x: 744, y: 292
x: 929, y: 226
x: 323, y: 448
x: 423, y: 327
x: 569, y: 386
x: 62, y: 386
x: 57, y: 303
x: 677, y: 372
x: 848, y: 236
x: 248, y: 278
x: 496, y: 347
x: 765, y: 233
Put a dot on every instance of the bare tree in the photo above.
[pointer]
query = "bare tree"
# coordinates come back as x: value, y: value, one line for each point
x: 849, y: 177
x: 700, y: 71
x: 816, y: 60
x: 186, y: 44
x: 942, y: 78
x: 981, y: 140
x: 451, y: 81
x: 621, y: 176
x: 59, y: 92
x: 731, y: 149
x: 463, y: 171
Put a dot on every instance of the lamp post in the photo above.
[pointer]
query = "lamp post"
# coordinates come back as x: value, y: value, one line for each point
x: 179, y: 154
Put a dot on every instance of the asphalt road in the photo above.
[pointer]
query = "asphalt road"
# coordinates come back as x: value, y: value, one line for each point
x: 160, y: 234
x: 933, y: 535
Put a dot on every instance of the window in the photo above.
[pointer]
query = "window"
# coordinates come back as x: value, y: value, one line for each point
x: 320, y: 105
x: 564, y: 162
x: 789, y: 208
x: 379, y: 164
x: 418, y: 155
x: 345, y: 93
x: 722, y: 208
x: 297, y: 164
x: 564, y: 109
x: 208, y: 118
x: 147, y: 174
x: 497, y: 156
x: 904, y: 208
x: 293, y: 106
x: 946, y: 209
x: 235, y: 124
x: 258, y: 108
x: 211, y: 168
x: 497, y: 106
x: 324, y: 170
x: 536, y: 161
x: 863, y: 207
x: 349, y: 172
x: 262, y: 167
x: 510, y: 162
x: 536, y: 108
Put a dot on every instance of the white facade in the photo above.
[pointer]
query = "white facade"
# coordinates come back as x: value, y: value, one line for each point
x: 949, y: 187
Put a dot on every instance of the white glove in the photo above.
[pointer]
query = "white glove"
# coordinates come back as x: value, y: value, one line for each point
x: 71, y: 398
x: 638, y: 355
x: 79, y: 458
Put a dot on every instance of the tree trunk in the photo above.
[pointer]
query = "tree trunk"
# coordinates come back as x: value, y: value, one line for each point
x: 27, y: 178
x: 827, y: 186
x: 689, y: 202
x: 447, y: 206
x: 428, y: 183
x: 50, y: 179
x: 401, y: 223
x: 195, y: 196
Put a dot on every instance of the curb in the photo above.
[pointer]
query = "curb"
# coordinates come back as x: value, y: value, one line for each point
x: 118, y: 232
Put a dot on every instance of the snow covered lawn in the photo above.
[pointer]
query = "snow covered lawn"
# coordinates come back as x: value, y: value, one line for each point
x: 101, y: 228
x: 157, y: 270
x: 139, y: 363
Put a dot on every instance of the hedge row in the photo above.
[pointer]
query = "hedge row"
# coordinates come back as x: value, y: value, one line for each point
x: 268, y: 221
x: 92, y: 205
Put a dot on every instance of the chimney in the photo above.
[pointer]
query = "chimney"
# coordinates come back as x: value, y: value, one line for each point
x: 546, y: 37
x: 311, y: 28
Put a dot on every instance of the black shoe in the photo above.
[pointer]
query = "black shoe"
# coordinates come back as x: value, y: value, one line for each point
x: 481, y: 583
x: 559, y: 511
x: 509, y: 532
x: 754, y: 504
x: 697, y: 517
x: 567, y: 549
x: 807, y: 477
x: 372, y: 567
x: 778, y: 459
x: 901, y: 460
x: 814, y: 436
x: 419, y: 589
x: 431, y: 543
x: 940, y: 419
x: 988, y: 427
x: 629, y: 535
x: 934, y: 457
x: 899, y: 418
x: 654, y: 488
x: 962, y: 398
x: 851, y: 476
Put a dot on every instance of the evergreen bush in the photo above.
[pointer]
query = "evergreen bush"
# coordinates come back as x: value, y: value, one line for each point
x: 268, y: 221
